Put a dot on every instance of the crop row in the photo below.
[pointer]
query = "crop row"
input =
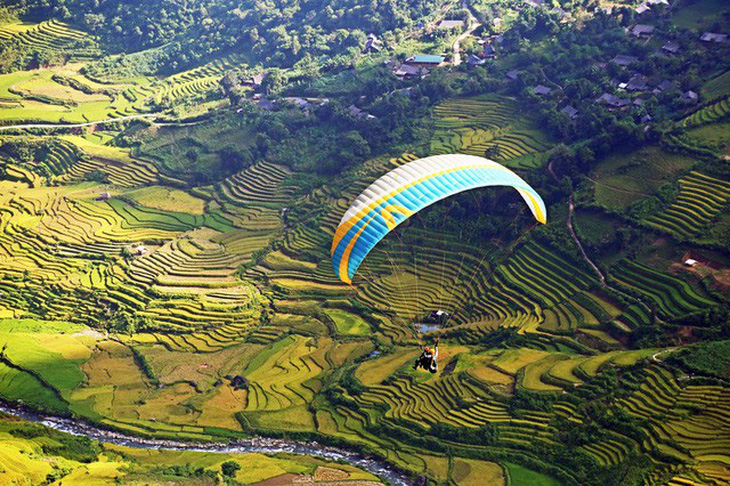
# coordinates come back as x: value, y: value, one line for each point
x: 669, y: 295
x: 701, y: 198
x: 261, y: 183
x: 708, y: 114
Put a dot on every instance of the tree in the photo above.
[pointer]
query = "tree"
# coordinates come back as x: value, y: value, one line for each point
x: 229, y: 468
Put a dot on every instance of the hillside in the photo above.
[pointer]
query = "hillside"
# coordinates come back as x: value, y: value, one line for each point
x: 172, y: 176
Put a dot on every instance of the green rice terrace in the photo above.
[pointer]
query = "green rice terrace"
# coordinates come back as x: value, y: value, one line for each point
x: 166, y: 273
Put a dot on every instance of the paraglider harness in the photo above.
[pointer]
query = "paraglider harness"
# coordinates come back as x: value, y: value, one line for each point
x: 427, y: 360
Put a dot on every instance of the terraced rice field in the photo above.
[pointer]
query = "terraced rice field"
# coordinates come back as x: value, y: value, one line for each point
x: 48, y: 35
x: 74, y: 248
x: 709, y: 114
x: 240, y: 324
x: 669, y: 295
x: 701, y: 198
x: 491, y: 126
x: 262, y: 184
x: 37, y: 96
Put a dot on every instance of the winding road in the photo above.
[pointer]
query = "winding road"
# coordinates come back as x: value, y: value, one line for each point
x: 473, y: 25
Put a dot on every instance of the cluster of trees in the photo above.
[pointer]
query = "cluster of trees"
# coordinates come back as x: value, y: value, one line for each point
x: 279, y: 33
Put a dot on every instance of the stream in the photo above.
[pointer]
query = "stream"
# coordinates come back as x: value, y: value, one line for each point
x: 240, y: 446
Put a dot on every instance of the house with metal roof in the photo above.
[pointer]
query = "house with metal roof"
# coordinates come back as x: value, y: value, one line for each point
x: 425, y: 60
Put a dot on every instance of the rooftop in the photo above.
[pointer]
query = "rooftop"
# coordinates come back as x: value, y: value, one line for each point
x: 426, y: 59
x: 541, y: 90
x: 713, y: 37
x: 406, y: 70
x: 450, y: 24
x: 624, y: 60
x: 671, y: 46
x: 570, y: 111
x: 475, y: 60
x: 642, y: 29
x: 613, y: 100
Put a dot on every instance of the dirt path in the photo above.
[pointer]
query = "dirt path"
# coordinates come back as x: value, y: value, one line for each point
x: 77, y: 125
x: 473, y: 25
x: 618, y: 189
x: 569, y: 223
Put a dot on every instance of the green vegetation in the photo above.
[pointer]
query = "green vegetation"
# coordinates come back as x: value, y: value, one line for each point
x: 489, y: 126
x: 167, y: 273
x: 710, y: 358
x: 34, y: 453
x: 625, y: 178
x: 348, y: 323
x: 522, y: 476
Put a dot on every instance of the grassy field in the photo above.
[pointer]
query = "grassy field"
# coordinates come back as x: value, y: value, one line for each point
x: 715, y: 136
x: 625, y: 178
x: 521, y: 476
x: 348, y: 323
x: 698, y: 15
x: 167, y: 199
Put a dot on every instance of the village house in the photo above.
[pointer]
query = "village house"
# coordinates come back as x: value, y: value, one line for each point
x: 450, y: 24
x: 612, y: 101
x: 425, y: 60
x: 642, y: 9
x: 255, y: 81
x: 656, y: 3
x: 372, y: 44
x: 713, y: 37
x: 300, y: 103
x: 305, y: 103
x: 489, y: 51
x: 512, y: 75
x: 473, y: 60
x: 663, y: 86
x: 541, y: 90
x: 407, y: 92
x: 406, y: 71
x: 671, y: 47
x: 104, y: 196
x: 636, y: 83
x: 689, y: 97
x: 570, y: 111
x: 356, y: 112
x: 265, y: 104
x: 624, y: 60
x: 642, y: 30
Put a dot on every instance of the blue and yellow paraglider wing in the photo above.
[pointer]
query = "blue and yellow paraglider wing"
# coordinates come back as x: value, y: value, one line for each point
x: 404, y: 191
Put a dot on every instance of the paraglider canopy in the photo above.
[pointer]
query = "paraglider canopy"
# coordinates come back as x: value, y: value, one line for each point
x: 404, y: 191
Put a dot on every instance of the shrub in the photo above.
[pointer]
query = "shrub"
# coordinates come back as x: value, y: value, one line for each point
x: 229, y: 468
